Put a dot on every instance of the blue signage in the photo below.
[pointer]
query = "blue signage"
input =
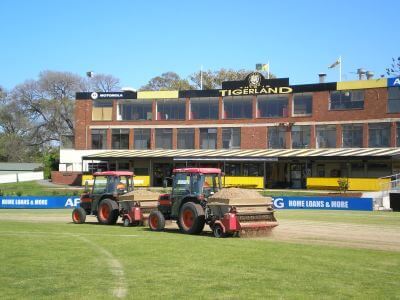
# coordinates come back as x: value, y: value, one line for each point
x: 39, y: 202
x: 394, y: 81
x: 326, y: 203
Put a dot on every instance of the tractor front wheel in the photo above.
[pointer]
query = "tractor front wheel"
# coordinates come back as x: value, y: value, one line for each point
x: 218, y: 231
x: 191, y: 218
x: 78, y: 215
x: 107, y: 212
x: 156, y: 221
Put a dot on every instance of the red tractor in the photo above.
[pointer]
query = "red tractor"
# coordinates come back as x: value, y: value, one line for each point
x: 192, y: 206
x: 103, y: 200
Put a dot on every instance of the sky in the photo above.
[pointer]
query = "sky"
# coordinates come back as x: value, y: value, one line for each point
x: 138, y: 40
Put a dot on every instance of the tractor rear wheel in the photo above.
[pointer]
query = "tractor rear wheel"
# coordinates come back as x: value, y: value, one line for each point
x: 191, y: 218
x: 218, y: 231
x: 107, y: 212
x: 156, y: 221
x: 78, y: 215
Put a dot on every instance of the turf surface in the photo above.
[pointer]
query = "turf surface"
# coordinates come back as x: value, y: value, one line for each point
x: 54, y: 259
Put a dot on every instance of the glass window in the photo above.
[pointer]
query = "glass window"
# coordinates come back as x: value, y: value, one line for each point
x: 398, y: 134
x: 253, y: 169
x: 352, y: 136
x: 204, y: 108
x: 232, y: 169
x: 238, y: 107
x: 185, y: 138
x: 135, y: 110
x: 277, y: 137
x: 97, y: 167
x: 141, y: 138
x: 141, y: 171
x: 272, y: 106
x: 302, y: 104
x: 99, y: 138
x: 208, y: 138
x: 379, y: 135
x: 301, y: 136
x: 164, y: 138
x: 394, y: 99
x: 120, y: 139
x: 102, y: 110
x: 171, y: 109
x: 231, y: 138
x: 347, y: 99
x: 326, y: 136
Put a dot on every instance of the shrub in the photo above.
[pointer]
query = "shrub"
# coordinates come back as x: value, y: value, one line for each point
x: 343, y: 184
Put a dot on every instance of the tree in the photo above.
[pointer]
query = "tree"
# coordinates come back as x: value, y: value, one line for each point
x: 167, y: 81
x: 214, y: 79
x: 103, y: 83
x: 394, y: 69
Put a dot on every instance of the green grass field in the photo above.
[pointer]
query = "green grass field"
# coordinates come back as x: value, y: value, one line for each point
x: 32, y: 188
x: 51, y: 258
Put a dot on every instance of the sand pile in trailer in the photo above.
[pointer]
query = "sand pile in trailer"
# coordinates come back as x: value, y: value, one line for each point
x: 238, y: 197
x: 140, y: 195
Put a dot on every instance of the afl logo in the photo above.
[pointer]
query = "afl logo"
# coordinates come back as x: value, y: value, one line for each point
x: 254, y: 80
x: 94, y: 95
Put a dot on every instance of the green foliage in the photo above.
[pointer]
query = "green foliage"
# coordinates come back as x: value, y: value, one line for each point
x: 50, y: 162
x: 343, y: 184
x: 394, y: 69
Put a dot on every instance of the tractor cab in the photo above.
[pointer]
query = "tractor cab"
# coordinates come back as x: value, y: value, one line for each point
x: 112, y: 183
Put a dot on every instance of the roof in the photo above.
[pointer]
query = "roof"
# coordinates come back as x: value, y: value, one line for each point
x: 198, y: 170
x: 7, y: 166
x: 261, y: 154
x: 114, y: 173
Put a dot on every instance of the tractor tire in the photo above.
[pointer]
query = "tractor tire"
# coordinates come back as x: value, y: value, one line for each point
x: 156, y: 221
x: 191, y: 218
x: 107, y: 213
x: 78, y: 215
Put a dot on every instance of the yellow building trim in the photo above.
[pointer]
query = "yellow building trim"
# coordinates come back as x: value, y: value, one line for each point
x: 141, y: 181
x: 243, y: 181
x: 362, y: 84
x: 355, y: 184
x: 88, y: 178
x: 158, y: 95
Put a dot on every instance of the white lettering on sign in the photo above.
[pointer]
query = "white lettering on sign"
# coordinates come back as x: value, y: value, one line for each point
x: 340, y: 204
x: 396, y: 81
x: 7, y: 201
x: 278, y: 203
x: 72, y: 202
x: 138, y: 181
x: 296, y: 203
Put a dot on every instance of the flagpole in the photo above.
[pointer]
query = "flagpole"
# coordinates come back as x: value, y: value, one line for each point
x: 201, y: 77
x: 340, y: 68
x: 269, y: 68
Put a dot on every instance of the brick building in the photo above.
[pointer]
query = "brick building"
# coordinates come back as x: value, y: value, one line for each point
x: 261, y: 132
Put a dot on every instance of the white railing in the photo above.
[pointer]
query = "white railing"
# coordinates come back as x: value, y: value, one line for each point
x: 17, y: 177
x: 386, y: 188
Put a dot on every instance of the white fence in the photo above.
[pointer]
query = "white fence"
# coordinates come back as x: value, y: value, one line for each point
x: 16, y: 177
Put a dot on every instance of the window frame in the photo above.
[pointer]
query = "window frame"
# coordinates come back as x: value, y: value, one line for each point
x: 238, y: 100
x: 294, y: 114
x: 272, y: 99
x: 343, y: 92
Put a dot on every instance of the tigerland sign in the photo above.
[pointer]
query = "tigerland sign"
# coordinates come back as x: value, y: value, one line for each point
x: 255, y: 84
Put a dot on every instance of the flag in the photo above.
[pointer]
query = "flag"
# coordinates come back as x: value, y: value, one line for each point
x: 337, y: 62
x: 262, y: 67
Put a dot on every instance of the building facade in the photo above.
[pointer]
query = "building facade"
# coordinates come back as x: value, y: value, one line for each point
x: 262, y: 133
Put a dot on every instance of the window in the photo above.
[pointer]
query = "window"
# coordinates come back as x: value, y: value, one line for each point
x: 102, y: 110
x: 204, y: 108
x: 301, y: 136
x: 238, y: 107
x: 230, y: 138
x: 253, y: 169
x: 97, y: 167
x: 347, y: 99
x: 185, y: 138
x: 120, y: 139
x: 141, y: 171
x: 302, y: 104
x: 352, y: 136
x: 326, y: 136
x: 394, y: 99
x: 208, y: 138
x: 99, y: 138
x: 379, y: 135
x: 277, y: 137
x: 141, y: 139
x: 272, y: 106
x: 398, y: 134
x: 171, y: 109
x: 164, y: 138
x: 134, y: 110
x: 232, y: 169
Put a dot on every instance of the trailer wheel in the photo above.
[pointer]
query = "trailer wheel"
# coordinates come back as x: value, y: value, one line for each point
x: 127, y: 223
x: 78, y: 215
x: 218, y: 231
x: 191, y: 218
x: 156, y: 221
x: 107, y: 212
